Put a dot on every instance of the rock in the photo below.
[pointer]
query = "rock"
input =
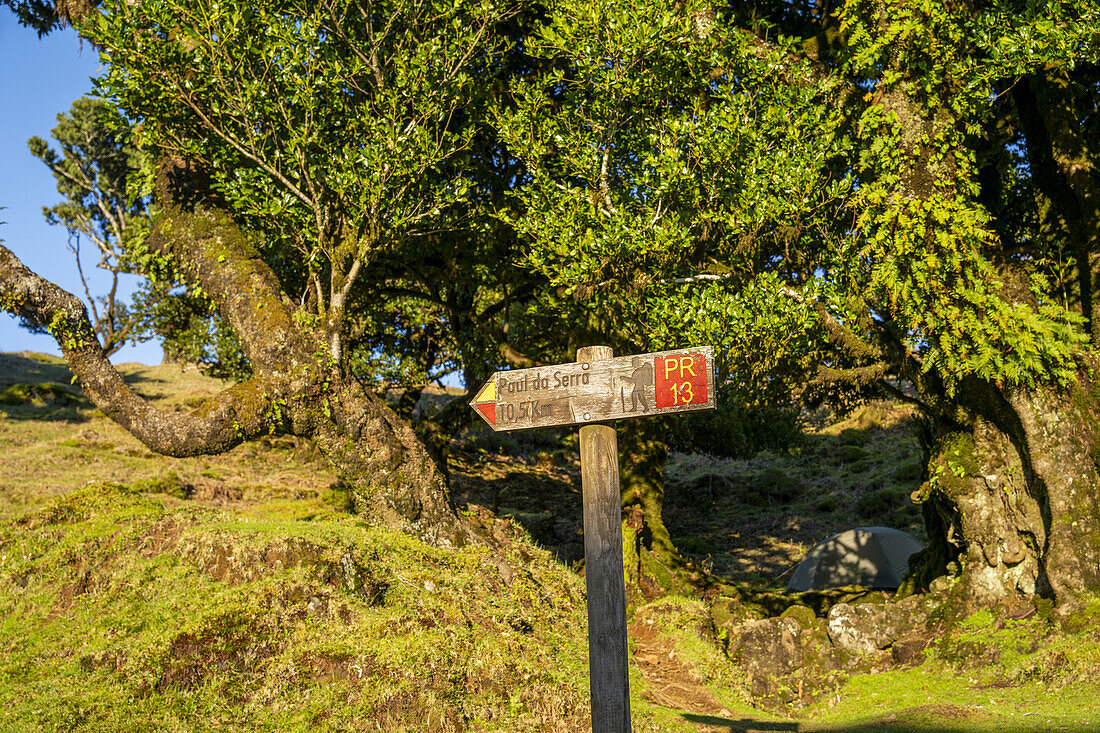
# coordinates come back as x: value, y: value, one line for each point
x: 352, y: 580
x: 505, y: 570
x: 869, y: 627
x: 804, y: 615
x: 940, y: 586
x: 729, y: 614
x: 909, y: 652
x: 767, y: 650
x: 851, y: 629
x: 794, y: 659
x: 787, y: 663
x: 317, y: 606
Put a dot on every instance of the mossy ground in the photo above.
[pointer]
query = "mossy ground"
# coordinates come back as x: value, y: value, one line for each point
x: 237, y: 592
x: 121, y: 613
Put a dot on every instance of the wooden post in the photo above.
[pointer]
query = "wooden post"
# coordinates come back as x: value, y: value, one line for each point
x: 603, y: 571
x: 598, y: 387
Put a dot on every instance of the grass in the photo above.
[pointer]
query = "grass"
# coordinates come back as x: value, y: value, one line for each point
x: 928, y: 699
x: 52, y: 447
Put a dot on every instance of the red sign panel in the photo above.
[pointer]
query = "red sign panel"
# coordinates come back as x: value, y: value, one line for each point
x: 680, y: 380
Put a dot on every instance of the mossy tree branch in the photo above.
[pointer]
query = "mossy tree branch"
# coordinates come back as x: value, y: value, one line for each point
x: 240, y: 413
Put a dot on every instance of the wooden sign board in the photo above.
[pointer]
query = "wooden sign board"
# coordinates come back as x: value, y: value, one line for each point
x: 583, y: 392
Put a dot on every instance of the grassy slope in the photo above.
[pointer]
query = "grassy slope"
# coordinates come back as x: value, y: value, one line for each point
x: 52, y: 445
x: 234, y: 592
x: 753, y: 519
x: 123, y: 614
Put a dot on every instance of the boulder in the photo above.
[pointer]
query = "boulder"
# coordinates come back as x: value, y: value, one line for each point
x: 870, y: 627
x: 767, y: 650
x: 788, y: 660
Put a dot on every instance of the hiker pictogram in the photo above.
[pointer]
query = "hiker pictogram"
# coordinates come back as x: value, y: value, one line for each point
x: 640, y: 379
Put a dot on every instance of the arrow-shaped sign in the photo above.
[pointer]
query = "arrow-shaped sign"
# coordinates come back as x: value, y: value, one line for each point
x: 580, y: 392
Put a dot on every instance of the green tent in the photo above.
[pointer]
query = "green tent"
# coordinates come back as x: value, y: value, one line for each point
x: 874, y: 557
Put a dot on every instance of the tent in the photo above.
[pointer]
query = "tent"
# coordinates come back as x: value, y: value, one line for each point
x: 874, y: 557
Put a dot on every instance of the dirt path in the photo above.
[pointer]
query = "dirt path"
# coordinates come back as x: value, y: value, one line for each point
x: 672, y: 683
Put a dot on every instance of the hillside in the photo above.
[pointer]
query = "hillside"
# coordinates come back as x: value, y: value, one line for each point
x: 237, y: 592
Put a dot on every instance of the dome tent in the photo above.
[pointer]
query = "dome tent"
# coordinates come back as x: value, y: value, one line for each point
x: 874, y: 557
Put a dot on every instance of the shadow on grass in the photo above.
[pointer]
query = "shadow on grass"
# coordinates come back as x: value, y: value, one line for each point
x: 1009, y: 727
x: 146, y: 383
x: 745, y: 725
x: 41, y: 387
x: 548, y: 508
x: 74, y: 412
x: 25, y: 368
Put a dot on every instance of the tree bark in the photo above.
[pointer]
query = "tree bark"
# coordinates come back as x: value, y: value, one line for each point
x: 393, y: 477
x: 1015, y: 484
x: 654, y: 567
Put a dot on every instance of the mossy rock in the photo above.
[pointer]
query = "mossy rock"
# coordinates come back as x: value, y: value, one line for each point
x: 876, y: 597
x: 788, y: 665
x: 728, y: 613
x: 804, y: 615
x: 1079, y: 619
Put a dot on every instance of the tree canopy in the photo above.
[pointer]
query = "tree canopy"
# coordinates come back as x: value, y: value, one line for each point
x: 93, y: 166
x: 818, y: 191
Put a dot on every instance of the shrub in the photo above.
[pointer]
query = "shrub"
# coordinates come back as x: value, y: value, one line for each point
x: 736, y: 431
x: 776, y: 485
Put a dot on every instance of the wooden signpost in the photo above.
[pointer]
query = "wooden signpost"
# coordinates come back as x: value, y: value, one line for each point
x: 589, y: 392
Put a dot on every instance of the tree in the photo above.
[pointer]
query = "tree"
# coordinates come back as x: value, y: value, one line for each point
x: 640, y: 210
x: 93, y: 170
x: 37, y: 14
x: 849, y: 190
x: 293, y: 147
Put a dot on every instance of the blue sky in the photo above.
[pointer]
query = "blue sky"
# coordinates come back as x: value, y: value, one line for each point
x: 38, y: 79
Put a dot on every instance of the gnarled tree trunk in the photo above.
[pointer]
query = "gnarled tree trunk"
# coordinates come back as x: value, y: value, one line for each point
x: 298, y: 386
x: 653, y: 565
x: 1016, y: 491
